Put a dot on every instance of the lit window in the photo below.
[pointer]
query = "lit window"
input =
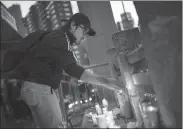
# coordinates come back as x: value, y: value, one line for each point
x: 30, y: 25
x: 52, y: 7
x: 66, y: 9
x: 75, y: 47
x: 78, y: 56
x: 67, y: 14
x: 76, y: 52
x: 54, y: 16
x: 53, y: 11
x: 65, y: 4
x: 67, y: 18
x: 55, y: 21
x: 56, y: 26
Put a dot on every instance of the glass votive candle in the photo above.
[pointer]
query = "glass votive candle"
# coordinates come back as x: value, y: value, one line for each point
x: 94, y: 119
x: 101, y: 121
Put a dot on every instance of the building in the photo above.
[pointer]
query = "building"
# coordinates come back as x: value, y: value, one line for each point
x: 43, y: 19
x: 119, y: 26
x: 48, y: 15
x: 31, y: 20
x: 9, y: 34
x: 7, y: 16
x: 102, y: 21
x: 58, y: 11
x: 127, y: 21
x: 16, y: 13
x: 8, y: 26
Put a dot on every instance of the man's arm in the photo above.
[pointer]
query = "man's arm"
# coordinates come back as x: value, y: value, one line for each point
x: 99, y: 80
x: 81, y: 74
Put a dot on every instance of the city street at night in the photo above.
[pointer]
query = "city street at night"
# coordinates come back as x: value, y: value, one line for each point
x: 91, y: 64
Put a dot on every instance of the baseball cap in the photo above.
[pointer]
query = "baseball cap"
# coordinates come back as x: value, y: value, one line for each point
x: 82, y: 19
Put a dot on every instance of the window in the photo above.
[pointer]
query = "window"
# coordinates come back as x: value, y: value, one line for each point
x: 53, y: 17
x: 42, y: 22
x: 78, y: 56
x: 53, y: 11
x: 30, y: 25
x: 67, y: 14
x: 55, y: 26
x: 31, y: 29
x: 43, y: 25
x: 29, y: 21
x: 44, y: 28
x: 66, y: 9
x: 67, y: 18
x: 55, y: 21
x: 52, y: 7
x: 76, y: 52
x: 65, y: 4
x: 48, y: 12
x: 75, y: 47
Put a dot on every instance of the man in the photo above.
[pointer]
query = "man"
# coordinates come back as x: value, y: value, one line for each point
x: 45, y: 66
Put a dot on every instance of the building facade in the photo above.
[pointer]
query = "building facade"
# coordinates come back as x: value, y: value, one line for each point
x: 102, y: 21
x: 7, y: 16
x: 48, y: 15
x: 9, y: 31
x: 31, y: 20
x: 16, y: 13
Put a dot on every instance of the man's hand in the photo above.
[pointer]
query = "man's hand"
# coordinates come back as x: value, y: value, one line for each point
x: 73, y: 81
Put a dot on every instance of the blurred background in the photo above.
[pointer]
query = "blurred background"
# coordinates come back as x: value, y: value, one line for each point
x: 32, y: 15
x: 118, y: 27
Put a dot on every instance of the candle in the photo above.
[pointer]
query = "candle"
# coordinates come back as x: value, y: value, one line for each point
x: 152, y: 116
x: 94, y: 119
x: 98, y: 109
x: 110, y: 119
x: 101, y: 121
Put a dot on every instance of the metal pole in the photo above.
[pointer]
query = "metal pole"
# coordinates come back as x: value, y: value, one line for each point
x: 96, y: 65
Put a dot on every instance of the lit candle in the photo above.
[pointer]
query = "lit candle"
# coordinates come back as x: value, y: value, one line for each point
x: 94, y: 119
x: 101, y: 121
x: 152, y: 116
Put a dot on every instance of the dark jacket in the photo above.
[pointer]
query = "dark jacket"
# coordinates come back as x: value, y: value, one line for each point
x: 46, y: 63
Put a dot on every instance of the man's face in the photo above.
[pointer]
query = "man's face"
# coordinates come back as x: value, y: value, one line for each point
x: 80, y: 34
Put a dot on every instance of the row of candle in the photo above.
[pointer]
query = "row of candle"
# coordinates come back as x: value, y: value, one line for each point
x: 104, y: 118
